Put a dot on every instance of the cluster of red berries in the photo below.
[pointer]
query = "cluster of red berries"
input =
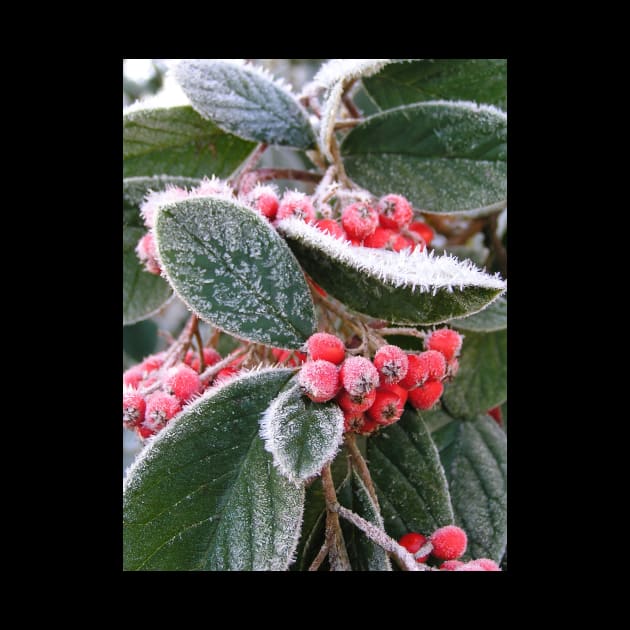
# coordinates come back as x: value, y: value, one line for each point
x: 386, y: 224
x: 373, y: 394
x: 446, y: 543
x: 169, y: 389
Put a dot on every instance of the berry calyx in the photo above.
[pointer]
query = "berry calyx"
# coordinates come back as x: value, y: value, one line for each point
x: 425, y: 396
x: 352, y: 420
x: 327, y: 347
x: 412, y: 542
x: 183, y: 382
x: 394, y: 211
x: 296, y: 204
x: 331, y: 227
x: 358, y: 376
x: 359, y: 220
x: 355, y: 404
x: 387, y: 408
x: 319, y: 380
x: 392, y: 364
x: 368, y: 426
x: 444, y: 340
x: 134, y: 407
x: 449, y: 542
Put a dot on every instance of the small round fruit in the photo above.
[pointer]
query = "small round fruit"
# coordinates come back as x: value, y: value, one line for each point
x: 319, y: 380
x: 412, y: 542
x: 449, y: 542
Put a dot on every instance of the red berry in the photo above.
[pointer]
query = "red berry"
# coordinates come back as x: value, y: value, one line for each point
x: 473, y: 565
x: 161, y: 407
x: 423, y: 230
x: 319, y: 380
x: 264, y: 200
x: 210, y: 357
x: 355, y: 404
x: 359, y: 220
x: 359, y: 376
x: 412, y: 542
x: 225, y: 374
x: 395, y: 388
x: 133, y: 408
x: 387, y: 408
x: 352, y: 420
x: 451, y: 565
x: 495, y: 412
x: 487, y: 565
x: 425, y: 396
x: 327, y: 347
x: 331, y: 227
x: 153, y: 362
x: 417, y: 372
x: 444, y: 340
x: 147, y: 253
x: 392, y: 364
x: 355, y: 242
x: 296, y: 204
x: 133, y: 376
x: 368, y: 426
x: 449, y: 543
x: 380, y: 238
x: 394, y: 211
x: 434, y: 364
x: 400, y: 243
x: 145, y: 432
x: 183, y: 382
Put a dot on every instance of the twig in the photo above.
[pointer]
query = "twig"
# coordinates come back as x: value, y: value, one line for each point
x: 337, y: 553
x: 319, y: 558
x: 208, y: 373
x: 351, y: 107
x: 248, y: 165
x: 361, y: 466
x: 345, y: 124
x: 407, y: 332
x: 405, y: 560
x: 202, y: 363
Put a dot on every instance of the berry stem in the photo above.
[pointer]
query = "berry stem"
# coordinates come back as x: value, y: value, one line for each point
x: 213, y: 370
x: 248, y: 165
x: 361, y: 466
x: 321, y: 554
x: 337, y: 553
x: 405, y: 560
x: 351, y: 107
x: 202, y: 363
x: 407, y: 332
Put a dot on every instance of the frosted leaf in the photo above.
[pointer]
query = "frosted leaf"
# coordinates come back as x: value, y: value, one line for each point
x: 246, y: 101
x: 490, y: 319
x: 445, y: 157
x: 340, y: 70
x: 410, y: 481
x: 474, y: 454
x: 233, y: 270
x: 404, y: 287
x: 204, y: 494
x: 329, y: 118
x: 301, y: 435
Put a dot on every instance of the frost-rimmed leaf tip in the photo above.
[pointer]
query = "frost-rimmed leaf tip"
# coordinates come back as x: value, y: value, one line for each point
x: 347, y: 69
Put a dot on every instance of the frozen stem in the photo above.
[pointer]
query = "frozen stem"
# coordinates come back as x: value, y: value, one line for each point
x: 248, y: 165
x: 337, y: 553
x: 359, y: 462
x: 213, y: 370
x: 407, y: 332
x: 202, y: 363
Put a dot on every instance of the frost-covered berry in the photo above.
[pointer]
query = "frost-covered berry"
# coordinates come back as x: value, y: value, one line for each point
x: 161, y: 407
x: 444, y: 340
x: 395, y: 388
x: 395, y: 211
x: 425, y: 396
x: 133, y: 376
x: 133, y: 408
x: 401, y: 242
x: 417, y: 372
x: 331, y: 227
x: 355, y: 404
x: 352, y: 420
x: 412, y: 542
x: 145, y: 432
x: 359, y: 376
x: 422, y: 230
x: 359, y: 220
x: 153, y: 362
x: 183, y: 382
x: 210, y: 357
x: 147, y: 253
x: 225, y: 374
x: 369, y: 426
x: 387, y: 407
x: 451, y: 565
x: 212, y: 186
x: 154, y: 199
x: 434, y: 364
x: 392, y: 363
x: 296, y: 204
x: 473, y: 565
x: 495, y: 413
x: 263, y: 198
x: 380, y: 239
x: 291, y: 357
x: 487, y: 565
x: 449, y: 542
x: 327, y: 347
x: 319, y: 380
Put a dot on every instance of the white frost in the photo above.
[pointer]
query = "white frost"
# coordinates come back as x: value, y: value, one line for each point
x: 347, y: 69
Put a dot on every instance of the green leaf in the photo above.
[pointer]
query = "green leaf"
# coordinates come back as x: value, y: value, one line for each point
x: 492, y: 318
x: 143, y: 293
x: 444, y: 157
x: 474, y: 454
x: 140, y: 340
x: 135, y: 189
x: 301, y: 435
x: 480, y: 80
x: 364, y: 555
x: 481, y: 382
x: 398, y: 287
x: 204, y: 494
x: 233, y: 270
x: 410, y: 482
x: 178, y: 141
x: 245, y: 101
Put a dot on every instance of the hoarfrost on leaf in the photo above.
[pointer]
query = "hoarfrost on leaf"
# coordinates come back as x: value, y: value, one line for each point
x: 341, y: 70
